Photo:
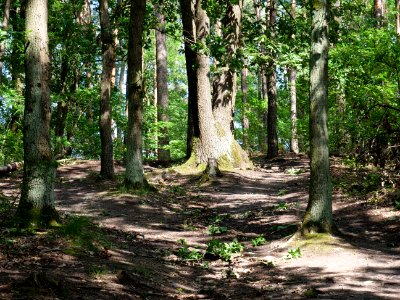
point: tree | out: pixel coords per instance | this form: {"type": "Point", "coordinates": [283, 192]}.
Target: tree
{"type": "Point", "coordinates": [36, 204]}
{"type": "Point", "coordinates": [397, 4]}
{"type": "Point", "coordinates": [189, 35]}
{"type": "Point", "coordinates": [162, 86]}
{"type": "Point", "coordinates": [4, 26]}
{"type": "Point", "coordinates": [272, 129]}
{"type": "Point", "coordinates": [108, 54]}
{"type": "Point", "coordinates": [134, 177]}
{"type": "Point", "coordinates": [216, 142]}
{"type": "Point", "coordinates": [294, 143]}
{"type": "Point", "coordinates": [318, 215]}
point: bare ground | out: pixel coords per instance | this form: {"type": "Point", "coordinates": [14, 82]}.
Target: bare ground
{"type": "Point", "coordinates": [143, 231]}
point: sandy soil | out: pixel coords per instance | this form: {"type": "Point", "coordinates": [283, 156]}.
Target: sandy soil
{"type": "Point", "coordinates": [144, 230]}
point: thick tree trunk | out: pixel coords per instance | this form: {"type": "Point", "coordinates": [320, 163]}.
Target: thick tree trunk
{"type": "Point", "coordinates": [272, 120]}
{"type": "Point", "coordinates": [36, 205]}
{"type": "Point", "coordinates": [4, 26]}
{"type": "Point", "coordinates": [189, 34]}
{"type": "Point", "coordinates": [162, 87]}
{"type": "Point", "coordinates": [216, 140]}
{"type": "Point", "coordinates": [108, 53]}
{"type": "Point", "coordinates": [318, 215]}
{"type": "Point", "coordinates": [134, 177]}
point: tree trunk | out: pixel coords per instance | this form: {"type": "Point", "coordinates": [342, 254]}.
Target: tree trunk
{"type": "Point", "coordinates": [378, 12]}
{"type": "Point", "coordinates": [189, 34]}
{"type": "Point", "coordinates": [245, 120]}
{"type": "Point", "coordinates": [294, 143]}
{"type": "Point", "coordinates": [216, 140]}
{"type": "Point", "coordinates": [272, 126]}
{"type": "Point", "coordinates": [318, 215]}
{"type": "Point", "coordinates": [108, 54]}
{"type": "Point", "coordinates": [398, 17]}
{"type": "Point", "coordinates": [4, 26]}
{"type": "Point", "coordinates": [162, 87]}
{"type": "Point", "coordinates": [134, 177]}
{"type": "Point", "coordinates": [36, 205]}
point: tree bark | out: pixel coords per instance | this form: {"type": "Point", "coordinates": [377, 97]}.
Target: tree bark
{"type": "Point", "coordinates": [397, 17]}
{"type": "Point", "coordinates": [108, 62]}
{"type": "Point", "coordinates": [245, 120]}
{"type": "Point", "coordinates": [318, 215]}
{"type": "Point", "coordinates": [189, 34]}
{"type": "Point", "coordinates": [294, 143]}
{"type": "Point", "coordinates": [4, 26]}
{"type": "Point", "coordinates": [216, 140]}
{"type": "Point", "coordinates": [36, 205]}
{"type": "Point", "coordinates": [378, 12]}
{"type": "Point", "coordinates": [272, 126]}
{"type": "Point", "coordinates": [162, 87]}
{"type": "Point", "coordinates": [134, 177]}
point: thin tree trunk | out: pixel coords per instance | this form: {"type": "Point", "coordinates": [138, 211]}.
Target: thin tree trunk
{"type": "Point", "coordinates": [189, 34]}
{"type": "Point", "coordinates": [108, 53]}
{"type": "Point", "coordinates": [36, 205]}
{"type": "Point", "coordinates": [272, 126]}
{"type": "Point", "coordinates": [318, 215]}
{"type": "Point", "coordinates": [245, 120]}
{"type": "Point", "coordinates": [134, 177]}
{"type": "Point", "coordinates": [4, 26]}
{"type": "Point", "coordinates": [294, 143]}
{"type": "Point", "coordinates": [162, 87]}
{"type": "Point", "coordinates": [155, 100]}
{"type": "Point", "coordinates": [378, 12]}
{"type": "Point", "coordinates": [398, 17]}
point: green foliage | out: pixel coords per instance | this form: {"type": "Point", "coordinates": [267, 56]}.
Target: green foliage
{"type": "Point", "coordinates": [187, 254]}
{"type": "Point", "coordinates": [225, 251]}
{"type": "Point", "coordinates": [216, 230]}
{"type": "Point", "coordinates": [293, 253]}
{"type": "Point", "coordinates": [258, 241]}
{"type": "Point", "coordinates": [293, 171]}
{"type": "Point", "coordinates": [282, 206]}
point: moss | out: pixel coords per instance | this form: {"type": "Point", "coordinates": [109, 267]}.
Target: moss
{"type": "Point", "coordinates": [224, 163]}
{"type": "Point", "coordinates": [31, 217]}
{"type": "Point", "coordinates": [315, 241]}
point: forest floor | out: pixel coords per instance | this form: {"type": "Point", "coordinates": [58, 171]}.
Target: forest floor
{"type": "Point", "coordinates": [185, 240]}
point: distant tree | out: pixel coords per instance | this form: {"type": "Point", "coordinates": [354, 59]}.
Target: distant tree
{"type": "Point", "coordinates": [162, 85]}
{"type": "Point", "coordinates": [318, 215]}
{"type": "Point", "coordinates": [108, 58]}
{"type": "Point", "coordinates": [4, 25]}
{"type": "Point", "coordinates": [134, 177]}
{"type": "Point", "coordinates": [397, 4]}
{"type": "Point", "coordinates": [36, 204]}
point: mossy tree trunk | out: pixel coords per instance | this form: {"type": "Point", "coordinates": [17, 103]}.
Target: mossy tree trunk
{"type": "Point", "coordinates": [216, 140]}
{"type": "Point", "coordinates": [36, 206]}
{"type": "Point", "coordinates": [108, 63]}
{"type": "Point", "coordinates": [318, 215]}
{"type": "Point", "coordinates": [163, 151]}
{"type": "Point", "coordinates": [134, 177]}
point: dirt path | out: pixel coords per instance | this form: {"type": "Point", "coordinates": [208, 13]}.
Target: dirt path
{"type": "Point", "coordinates": [142, 260]}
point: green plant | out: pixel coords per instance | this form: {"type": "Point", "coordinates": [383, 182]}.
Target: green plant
{"type": "Point", "coordinates": [225, 251]}
{"type": "Point", "coordinates": [293, 253]}
{"type": "Point", "coordinates": [397, 204]}
{"type": "Point", "coordinates": [258, 241]}
{"type": "Point", "coordinates": [283, 192]}
{"type": "Point", "coordinates": [293, 171]}
{"type": "Point", "coordinates": [185, 253]}
{"type": "Point", "coordinates": [214, 230]}
{"type": "Point", "coordinates": [96, 271]}
{"type": "Point", "coordinates": [282, 206]}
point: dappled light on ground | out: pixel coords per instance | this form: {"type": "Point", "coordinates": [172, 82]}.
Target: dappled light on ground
{"type": "Point", "coordinates": [144, 245]}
